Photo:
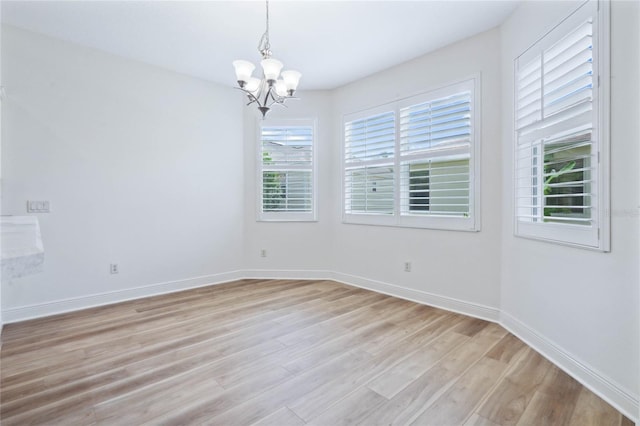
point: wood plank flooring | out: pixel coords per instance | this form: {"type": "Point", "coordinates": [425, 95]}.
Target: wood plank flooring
{"type": "Point", "coordinates": [281, 352]}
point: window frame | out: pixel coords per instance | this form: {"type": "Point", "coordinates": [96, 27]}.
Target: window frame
{"type": "Point", "coordinates": [285, 216]}
{"type": "Point", "coordinates": [597, 236]}
{"type": "Point", "coordinates": [398, 219]}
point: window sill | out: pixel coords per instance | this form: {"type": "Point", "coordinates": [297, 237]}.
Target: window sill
{"type": "Point", "coordinates": [583, 237]}
{"type": "Point", "coordinates": [432, 223]}
{"type": "Point", "coordinates": [286, 217]}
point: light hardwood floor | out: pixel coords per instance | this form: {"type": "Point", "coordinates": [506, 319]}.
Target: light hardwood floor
{"type": "Point", "coordinates": [276, 352]}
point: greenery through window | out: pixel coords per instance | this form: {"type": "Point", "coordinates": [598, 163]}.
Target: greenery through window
{"type": "Point", "coordinates": [567, 183]}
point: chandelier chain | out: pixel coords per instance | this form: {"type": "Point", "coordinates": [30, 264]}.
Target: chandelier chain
{"type": "Point", "coordinates": [264, 47]}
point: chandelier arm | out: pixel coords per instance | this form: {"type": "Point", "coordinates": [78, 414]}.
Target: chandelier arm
{"type": "Point", "coordinates": [274, 98]}
{"type": "Point", "coordinates": [278, 103]}
{"type": "Point", "coordinates": [251, 96]}
{"type": "Point", "coordinates": [277, 98]}
{"type": "Point", "coordinates": [266, 96]}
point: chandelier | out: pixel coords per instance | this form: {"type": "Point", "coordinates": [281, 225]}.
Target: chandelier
{"type": "Point", "coordinates": [270, 89]}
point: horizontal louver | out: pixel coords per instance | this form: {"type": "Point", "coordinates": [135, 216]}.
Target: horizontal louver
{"type": "Point", "coordinates": [288, 191]}
{"type": "Point", "coordinates": [529, 94]}
{"type": "Point", "coordinates": [287, 169]}
{"type": "Point", "coordinates": [369, 190]}
{"type": "Point", "coordinates": [369, 151]}
{"type": "Point", "coordinates": [287, 147]}
{"type": "Point", "coordinates": [439, 188]}
{"type": "Point", "coordinates": [371, 138]}
{"type": "Point", "coordinates": [568, 72]}
{"type": "Point", "coordinates": [435, 147]}
{"type": "Point", "coordinates": [438, 124]}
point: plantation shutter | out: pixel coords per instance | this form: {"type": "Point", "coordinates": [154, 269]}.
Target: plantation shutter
{"type": "Point", "coordinates": [287, 169]}
{"type": "Point", "coordinates": [559, 190]}
{"type": "Point", "coordinates": [556, 159]}
{"type": "Point", "coordinates": [369, 164]}
{"type": "Point", "coordinates": [435, 148]}
{"type": "Point", "coordinates": [413, 162]}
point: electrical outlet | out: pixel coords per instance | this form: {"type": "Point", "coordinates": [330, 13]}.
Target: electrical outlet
{"type": "Point", "coordinates": [407, 266]}
{"type": "Point", "coordinates": [113, 268]}
{"type": "Point", "coordinates": [263, 253]}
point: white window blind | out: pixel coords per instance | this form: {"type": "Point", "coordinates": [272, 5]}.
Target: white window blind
{"type": "Point", "coordinates": [435, 148]}
{"type": "Point", "coordinates": [558, 181]}
{"type": "Point", "coordinates": [286, 172]}
{"type": "Point", "coordinates": [369, 164]}
{"type": "Point", "coordinates": [412, 162]}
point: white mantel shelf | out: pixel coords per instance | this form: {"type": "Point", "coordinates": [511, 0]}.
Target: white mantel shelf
{"type": "Point", "coordinates": [22, 249]}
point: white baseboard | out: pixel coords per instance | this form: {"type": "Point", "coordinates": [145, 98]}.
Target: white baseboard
{"type": "Point", "coordinates": [449, 303]}
{"type": "Point", "coordinates": [23, 313]}
{"type": "Point", "coordinates": [588, 376]}
{"type": "Point", "coordinates": [287, 274]}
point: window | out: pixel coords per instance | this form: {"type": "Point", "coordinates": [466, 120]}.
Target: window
{"type": "Point", "coordinates": [435, 149]}
{"type": "Point", "coordinates": [412, 162]}
{"type": "Point", "coordinates": [369, 164]}
{"type": "Point", "coordinates": [560, 134]}
{"type": "Point", "coordinates": [287, 173]}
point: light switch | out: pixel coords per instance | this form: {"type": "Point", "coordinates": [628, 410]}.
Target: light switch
{"type": "Point", "coordinates": [38, 206]}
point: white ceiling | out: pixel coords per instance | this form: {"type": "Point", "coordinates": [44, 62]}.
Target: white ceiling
{"type": "Point", "coordinates": [331, 42]}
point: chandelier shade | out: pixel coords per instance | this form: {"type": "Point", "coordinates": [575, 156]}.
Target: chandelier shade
{"type": "Point", "coordinates": [270, 89]}
{"type": "Point", "coordinates": [291, 79]}
{"type": "Point", "coordinates": [271, 68]}
{"type": "Point", "coordinates": [244, 69]}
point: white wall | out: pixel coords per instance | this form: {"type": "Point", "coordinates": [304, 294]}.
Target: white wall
{"type": "Point", "coordinates": [456, 265]}
{"type": "Point", "coordinates": [580, 306]}
{"type": "Point", "coordinates": [142, 167]}
{"type": "Point", "coordinates": [297, 247]}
